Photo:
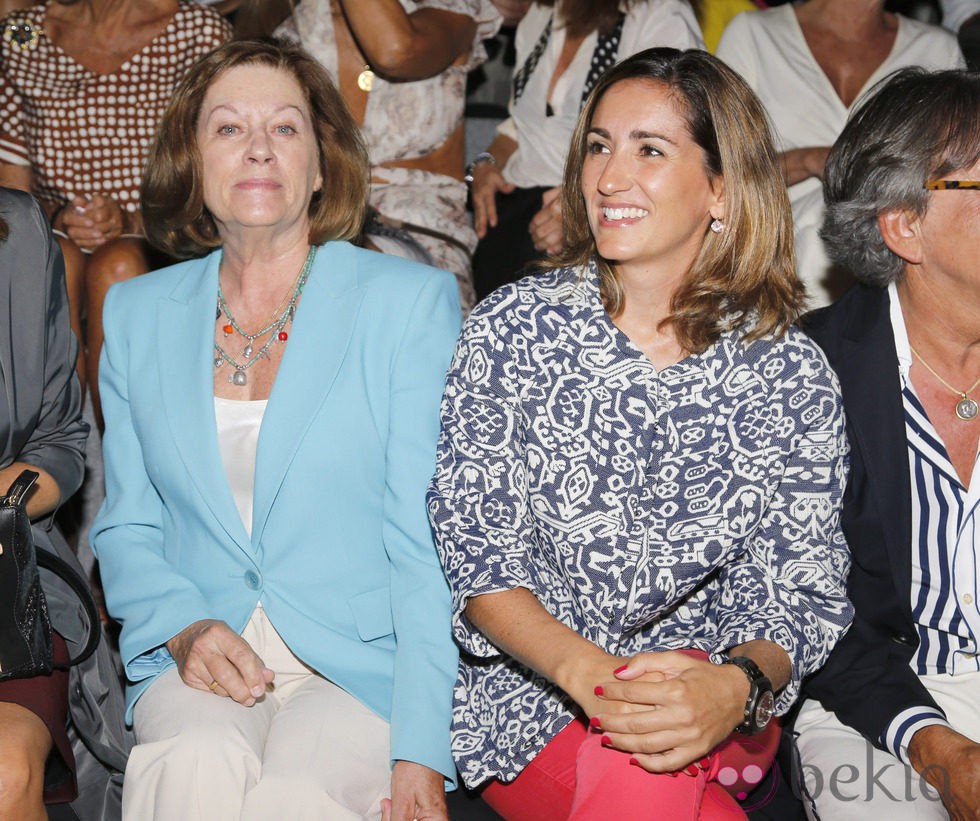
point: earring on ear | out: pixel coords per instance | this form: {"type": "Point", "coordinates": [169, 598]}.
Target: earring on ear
{"type": "Point", "coordinates": [717, 226]}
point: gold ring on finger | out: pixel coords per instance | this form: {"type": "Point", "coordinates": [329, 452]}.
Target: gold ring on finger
{"type": "Point", "coordinates": [213, 685]}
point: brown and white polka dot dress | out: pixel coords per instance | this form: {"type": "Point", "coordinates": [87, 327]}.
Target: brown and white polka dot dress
{"type": "Point", "coordinates": [85, 133]}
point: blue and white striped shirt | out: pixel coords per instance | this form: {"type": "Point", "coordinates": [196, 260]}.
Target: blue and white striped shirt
{"type": "Point", "coordinates": [944, 553]}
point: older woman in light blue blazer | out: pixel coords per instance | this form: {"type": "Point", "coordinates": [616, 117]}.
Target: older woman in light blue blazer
{"type": "Point", "coordinates": [271, 418]}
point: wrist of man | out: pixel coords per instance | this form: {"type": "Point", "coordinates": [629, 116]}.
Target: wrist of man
{"type": "Point", "coordinates": [932, 746]}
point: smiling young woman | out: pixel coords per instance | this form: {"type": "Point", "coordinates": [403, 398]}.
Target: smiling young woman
{"type": "Point", "coordinates": [625, 438]}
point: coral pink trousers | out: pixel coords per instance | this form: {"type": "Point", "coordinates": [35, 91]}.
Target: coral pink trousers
{"type": "Point", "coordinates": [575, 778]}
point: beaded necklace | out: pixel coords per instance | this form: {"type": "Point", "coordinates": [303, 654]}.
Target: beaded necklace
{"type": "Point", "coordinates": [275, 329]}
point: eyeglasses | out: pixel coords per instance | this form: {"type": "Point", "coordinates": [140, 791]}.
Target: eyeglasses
{"type": "Point", "coordinates": [951, 185]}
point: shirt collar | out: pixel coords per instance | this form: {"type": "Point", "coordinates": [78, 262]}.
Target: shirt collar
{"type": "Point", "coordinates": [902, 346]}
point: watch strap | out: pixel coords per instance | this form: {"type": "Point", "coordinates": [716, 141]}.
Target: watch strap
{"type": "Point", "coordinates": [760, 688]}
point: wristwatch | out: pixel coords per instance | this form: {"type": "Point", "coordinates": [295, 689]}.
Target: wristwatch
{"type": "Point", "coordinates": [479, 159]}
{"type": "Point", "coordinates": [760, 706]}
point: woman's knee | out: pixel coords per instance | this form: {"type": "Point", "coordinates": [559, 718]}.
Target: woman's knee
{"type": "Point", "coordinates": [23, 754]}
{"type": "Point", "coordinates": [116, 261]}
{"type": "Point", "coordinates": [192, 766]}
{"type": "Point", "coordinates": [299, 797]}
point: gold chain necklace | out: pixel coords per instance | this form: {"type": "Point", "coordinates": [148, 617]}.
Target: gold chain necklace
{"type": "Point", "coordinates": [966, 408]}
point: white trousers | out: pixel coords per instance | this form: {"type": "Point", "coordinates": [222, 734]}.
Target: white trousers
{"type": "Point", "coordinates": [306, 750]}
{"type": "Point", "coordinates": [849, 779]}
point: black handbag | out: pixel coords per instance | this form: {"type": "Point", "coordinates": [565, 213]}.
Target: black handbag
{"type": "Point", "coordinates": [26, 648]}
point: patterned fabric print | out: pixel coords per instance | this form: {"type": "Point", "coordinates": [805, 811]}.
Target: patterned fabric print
{"type": "Point", "coordinates": [695, 507]}
{"type": "Point", "coordinates": [445, 211]}
{"type": "Point", "coordinates": [522, 75]}
{"type": "Point", "coordinates": [603, 58]}
{"type": "Point", "coordinates": [84, 133]}
{"type": "Point", "coordinates": [410, 120]}
{"type": "Point", "coordinates": [403, 120]}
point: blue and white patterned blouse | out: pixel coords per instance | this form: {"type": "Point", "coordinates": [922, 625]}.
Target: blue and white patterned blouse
{"type": "Point", "coordinates": [697, 506]}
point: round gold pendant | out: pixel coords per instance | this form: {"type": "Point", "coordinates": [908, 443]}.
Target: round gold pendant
{"type": "Point", "coordinates": [365, 80]}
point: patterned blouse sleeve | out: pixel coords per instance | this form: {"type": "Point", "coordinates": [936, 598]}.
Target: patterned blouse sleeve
{"type": "Point", "coordinates": [478, 500]}
{"type": "Point", "coordinates": [790, 584]}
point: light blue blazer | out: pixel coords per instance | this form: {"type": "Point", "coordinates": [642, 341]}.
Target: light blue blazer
{"type": "Point", "coordinates": [341, 554]}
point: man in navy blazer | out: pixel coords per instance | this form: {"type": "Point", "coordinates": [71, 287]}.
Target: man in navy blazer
{"type": "Point", "coordinates": [895, 733]}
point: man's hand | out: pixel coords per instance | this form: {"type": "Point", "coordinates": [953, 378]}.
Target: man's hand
{"type": "Point", "coordinates": [950, 762]}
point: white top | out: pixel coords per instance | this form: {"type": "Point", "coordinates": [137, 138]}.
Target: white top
{"type": "Point", "coordinates": [238, 438]}
{"type": "Point", "coordinates": [957, 12]}
{"type": "Point", "coordinates": [769, 50]}
{"type": "Point", "coordinates": [543, 141]}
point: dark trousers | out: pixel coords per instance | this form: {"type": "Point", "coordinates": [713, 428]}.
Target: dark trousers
{"type": "Point", "coordinates": [505, 253]}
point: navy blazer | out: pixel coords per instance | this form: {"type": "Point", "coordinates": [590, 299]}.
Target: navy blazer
{"type": "Point", "coordinates": [867, 680]}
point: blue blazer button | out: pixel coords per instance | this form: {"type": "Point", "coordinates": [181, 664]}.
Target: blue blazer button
{"type": "Point", "coordinates": [252, 580]}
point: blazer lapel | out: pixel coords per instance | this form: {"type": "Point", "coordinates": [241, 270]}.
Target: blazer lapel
{"type": "Point", "coordinates": [318, 343]}
{"type": "Point", "coordinates": [186, 365]}
{"type": "Point", "coordinates": [870, 383]}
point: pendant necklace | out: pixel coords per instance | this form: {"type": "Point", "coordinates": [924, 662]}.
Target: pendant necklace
{"type": "Point", "coordinates": [966, 408]}
{"type": "Point", "coordinates": [275, 329]}
{"type": "Point", "coordinates": [365, 80]}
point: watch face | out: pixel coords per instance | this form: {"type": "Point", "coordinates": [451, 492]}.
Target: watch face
{"type": "Point", "coordinates": [765, 708]}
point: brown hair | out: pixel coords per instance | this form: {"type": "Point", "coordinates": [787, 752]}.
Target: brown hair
{"type": "Point", "coordinates": [174, 214]}
{"type": "Point", "coordinates": [745, 276]}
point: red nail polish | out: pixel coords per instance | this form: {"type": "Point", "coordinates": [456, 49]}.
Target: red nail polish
{"type": "Point", "coordinates": [619, 670]}
{"type": "Point", "coordinates": [634, 762]}
{"type": "Point", "coordinates": [598, 690]}
{"type": "Point", "coordinates": [691, 770]}
{"type": "Point", "coordinates": [672, 775]}
{"type": "Point", "coordinates": [606, 741]}
{"type": "Point", "coordinates": [705, 763]}
{"type": "Point", "coordinates": [594, 722]}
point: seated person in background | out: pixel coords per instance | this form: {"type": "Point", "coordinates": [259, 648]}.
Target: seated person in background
{"type": "Point", "coordinates": [906, 346]}
{"type": "Point", "coordinates": [963, 18]}
{"type": "Point", "coordinates": [811, 63]}
{"type": "Point", "coordinates": [563, 46]}
{"type": "Point", "coordinates": [264, 520]}
{"type": "Point", "coordinates": [41, 429]}
{"type": "Point", "coordinates": [641, 467]}
{"type": "Point", "coordinates": [82, 88]}
{"type": "Point", "coordinates": [401, 66]}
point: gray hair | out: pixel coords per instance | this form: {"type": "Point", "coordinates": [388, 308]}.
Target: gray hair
{"type": "Point", "coordinates": [916, 125]}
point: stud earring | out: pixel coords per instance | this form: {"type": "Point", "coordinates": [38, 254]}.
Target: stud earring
{"type": "Point", "coordinates": [717, 226]}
